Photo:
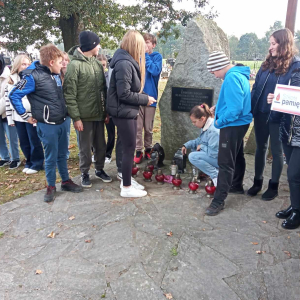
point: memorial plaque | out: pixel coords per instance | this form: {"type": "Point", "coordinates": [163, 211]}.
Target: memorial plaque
{"type": "Point", "coordinates": [184, 99]}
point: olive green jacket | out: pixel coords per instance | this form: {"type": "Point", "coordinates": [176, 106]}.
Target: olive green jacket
{"type": "Point", "coordinates": [85, 87]}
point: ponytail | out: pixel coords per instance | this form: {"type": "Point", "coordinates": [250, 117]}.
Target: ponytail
{"type": "Point", "coordinates": [200, 111]}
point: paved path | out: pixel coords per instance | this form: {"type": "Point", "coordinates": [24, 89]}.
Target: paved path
{"type": "Point", "coordinates": [118, 248]}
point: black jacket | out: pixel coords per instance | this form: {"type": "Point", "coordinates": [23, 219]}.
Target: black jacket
{"type": "Point", "coordinates": [261, 80]}
{"type": "Point", "coordinates": [290, 124]}
{"type": "Point", "coordinates": [124, 99]}
{"type": "Point", "coordinates": [44, 92]}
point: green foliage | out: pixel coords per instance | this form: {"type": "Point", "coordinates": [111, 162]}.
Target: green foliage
{"type": "Point", "coordinates": [1, 235]}
{"type": "Point", "coordinates": [174, 251]}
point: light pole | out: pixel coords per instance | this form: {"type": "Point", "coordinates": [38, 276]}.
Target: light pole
{"type": "Point", "coordinates": [291, 15]}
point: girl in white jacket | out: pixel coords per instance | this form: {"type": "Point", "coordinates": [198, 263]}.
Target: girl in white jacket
{"type": "Point", "coordinates": [29, 141]}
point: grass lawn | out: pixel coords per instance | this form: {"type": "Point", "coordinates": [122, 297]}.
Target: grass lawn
{"type": "Point", "coordinates": [253, 65]}
{"type": "Point", "coordinates": [14, 183]}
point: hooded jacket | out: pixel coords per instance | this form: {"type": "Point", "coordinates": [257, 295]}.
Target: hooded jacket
{"type": "Point", "coordinates": [261, 80]}
{"type": "Point", "coordinates": [124, 99]}
{"type": "Point", "coordinates": [4, 77]}
{"type": "Point", "coordinates": [234, 103]}
{"type": "Point", "coordinates": [85, 87]}
{"type": "Point", "coordinates": [44, 92]}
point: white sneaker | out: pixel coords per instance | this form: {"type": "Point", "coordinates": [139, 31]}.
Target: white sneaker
{"type": "Point", "coordinates": [132, 192]}
{"type": "Point", "coordinates": [107, 160]}
{"type": "Point", "coordinates": [31, 171]}
{"type": "Point", "coordinates": [135, 184]}
{"type": "Point", "coordinates": [25, 170]}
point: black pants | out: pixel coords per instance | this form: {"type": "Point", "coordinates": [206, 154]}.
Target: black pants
{"type": "Point", "coordinates": [231, 160]}
{"type": "Point", "coordinates": [110, 127]}
{"type": "Point", "coordinates": [263, 132]}
{"type": "Point", "coordinates": [292, 155]}
{"type": "Point", "coordinates": [126, 142]}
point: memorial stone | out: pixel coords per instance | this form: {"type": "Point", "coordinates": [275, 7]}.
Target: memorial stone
{"type": "Point", "coordinates": [190, 83]}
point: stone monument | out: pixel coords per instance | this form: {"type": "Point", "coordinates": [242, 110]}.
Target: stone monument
{"type": "Point", "coordinates": [190, 83]}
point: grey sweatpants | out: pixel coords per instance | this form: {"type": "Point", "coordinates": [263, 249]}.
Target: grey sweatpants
{"type": "Point", "coordinates": [92, 136]}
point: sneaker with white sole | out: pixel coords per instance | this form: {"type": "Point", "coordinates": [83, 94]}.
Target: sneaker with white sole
{"type": "Point", "coordinates": [4, 163]}
{"type": "Point", "coordinates": [31, 171]}
{"type": "Point", "coordinates": [119, 176]}
{"type": "Point", "coordinates": [132, 192]}
{"type": "Point", "coordinates": [14, 164]}
{"type": "Point", "coordinates": [107, 160]}
{"type": "Point", "coordinates": [25, 170]}
{"type": "Point", "coordinates": [135, 184]}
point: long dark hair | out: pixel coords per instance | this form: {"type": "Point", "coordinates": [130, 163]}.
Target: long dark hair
{"type": "Point", "coordinates": [2, 64]}
{"type": "Point", "coordinates": [285, 52]}
{"type": "Point", "coordinates": [200, 111]}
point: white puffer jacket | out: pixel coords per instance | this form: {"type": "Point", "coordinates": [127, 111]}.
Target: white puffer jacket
{"type": "Point", "coordinates": [3, 83]}
{"type": "Point", "coordinates": [11, 114]}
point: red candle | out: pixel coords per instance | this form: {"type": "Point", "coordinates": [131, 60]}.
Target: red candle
{"type": "Point", "coordinates": [193, 186]}
{"type": "Point", "coordinates": [147, 175]}
{"type": "Point", "coordinates": [210, 188]}
{"type": "Point", "coordinates": [135, 169]}
{"type": "Point", "coordinates": [160, 177]}
{"type": "Point", "coordinates": [177, 182]}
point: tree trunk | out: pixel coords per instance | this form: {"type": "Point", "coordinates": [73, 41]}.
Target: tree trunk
{"type": "Point", "coordinates": [70, 31]}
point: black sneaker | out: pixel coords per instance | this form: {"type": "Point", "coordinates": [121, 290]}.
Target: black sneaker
{"type": "Point", "coordinates": [70, 186]}
{"type": "Point", "coordinates": [103, 176]}
{"type": "Point", "coordinates": [4, 163]}
{"type": "Point", "coordinates": [236, 190]}
{"type": "Point", "coordinates": [14, 164]}
{"type": "Point", "coordinates": [50, 194]}
{"type": "Point", "coordinates": [214, 209]}
{"type": "Point", "coordinates": [85, 180]}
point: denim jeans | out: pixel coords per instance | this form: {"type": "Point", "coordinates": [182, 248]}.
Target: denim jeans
{"type": "Point", "coordinates": [55, 142]}
{"type": "Point", "coordinates": [31, 145]}
{"type": "Point", "coordinates": [12, 135]}
{"type": "Point", "coordinates": [205, 163]}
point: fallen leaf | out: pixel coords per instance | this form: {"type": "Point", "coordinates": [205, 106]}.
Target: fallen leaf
{"type": "Point", "coordinates": [265, 222]}
{"type": "Point", "coordinates": [254, 243]}
{"type": "Point", "coordinates": [260, 252]}
{"type": "Point", "coordinates": [88, 241]}
{"type": "Point", "coordinates": [60, 224]}
{"type": "Point", "coordinates": [287, 253]}
{"type": "Point", "coordinates": [72, 218]}
{"type": "Point", "coordinates": [38, 272]}
{"type": "Point", "coordinates": [6, 172]}
{"type": "Point", "coordinates": [170, 233]}
{"type": "Point", "coordinates": [101, 190]}
{"type": "Point", "coordinates": [32, 181]}
{"type": "Point", "coordinates": [51, 235]}
{"type": "Point", "coordinates": [71, 146]}
{"type": "Point", "coordinates": [94, 226]}
{"type": "Point", "coordinates": [289, 237]}
{"type": "Point", "coordinates": [203, 229]}
{"type": "Point", "coordinates": [76, 169]}
{"type": "Point", "coordinates": [169, 296]}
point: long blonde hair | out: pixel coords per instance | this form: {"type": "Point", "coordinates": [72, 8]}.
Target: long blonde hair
{"type": "Point", "coordinates": [134, 43]}
{"type": "Point", "coordinates": [17, 64]}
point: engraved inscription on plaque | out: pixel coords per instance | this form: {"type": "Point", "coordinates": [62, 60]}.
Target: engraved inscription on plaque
{"type": "Point", "coordinates": [184, 99]}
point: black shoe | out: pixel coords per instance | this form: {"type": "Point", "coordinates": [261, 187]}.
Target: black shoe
{"type": "Point", "coordinates": [4, 163]}
{"type": "Point", "coordinates": [214, 209]}
{"type": "Point", "coordinates": [236, 190]}
{"type": "Point", "coordinates": [284, 214]}
{"type": "Point", "coordinates": [256, 187]}
{"type": "Point", "coordinates": [103, 176]}
{"type": "Point", "coordinates": [293, 221]}
{"type": "Point", "coordinates": [50, 194]}
{"type": "Point", "coordinates": [272, 191]}
{"type": "Point", "coordinates": [85, 180]}
{"type": "Point", "coordinates": [14, 164]}
{"type": "Point", "coordinates": [70, 186]}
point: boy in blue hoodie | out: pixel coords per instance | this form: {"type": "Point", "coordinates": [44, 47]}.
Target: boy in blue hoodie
{"type": "Point", "coordinates": [146, 113]}
{"type": "Point", "coordinates": [232, 117]}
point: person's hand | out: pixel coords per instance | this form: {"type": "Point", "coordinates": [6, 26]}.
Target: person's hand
{"type": "Point", "coordinates": [183, 150]}
{"type": "Point", "coordinates": [151, 100]}
{"type": "Point", "coordinates": [198, 147]}
{"type": "Point", "coordinates": [12, 125]}
{"type": "Point", "coordinates": [270, 98]}
{"type": "Point", "coordinates": [31, 120]}
{"type": "Point", "coordinates": [213, 109]}
{"type": "Point", "coordinates": [106, 121]}
{"type": "Point", "coordinates": [78, 125]}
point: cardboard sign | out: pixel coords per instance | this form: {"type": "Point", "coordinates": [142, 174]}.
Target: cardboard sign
{"type": "Point", "coordinates": [286, 99]}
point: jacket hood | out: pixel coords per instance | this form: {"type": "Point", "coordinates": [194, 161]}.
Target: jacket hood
{"type": "Point", "coordinates": [154, 54]}
{"type": "Point", "coordinates": [121, 54]}
{"type": "Point", "coordinates": [240, 69]}
{"type": "Point", "coordinates": [76, 54]}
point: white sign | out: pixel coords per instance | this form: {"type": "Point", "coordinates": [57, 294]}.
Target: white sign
{"type": "Point", "coordinates": [286, 99]}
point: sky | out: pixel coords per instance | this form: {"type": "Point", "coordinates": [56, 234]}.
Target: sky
{"type": "Point", "coordinates": [237, 17]}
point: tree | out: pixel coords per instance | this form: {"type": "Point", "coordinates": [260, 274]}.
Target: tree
{"type": "Point", "coordinates": [297, 39]}
{"type": "Point", "coordinates": [233, 45]}
{"type": "Point", "coordinates": [247, 47]}
{"type": "Point", "coordinates": [28, 22]}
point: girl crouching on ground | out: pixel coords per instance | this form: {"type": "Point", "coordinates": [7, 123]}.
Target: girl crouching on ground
{"type": "Point", "coordinates": [204, 153]}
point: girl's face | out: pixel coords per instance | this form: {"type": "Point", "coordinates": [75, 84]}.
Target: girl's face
{"type": "Point", "coordinates": [198, 122]}
{"type": "Point", "coordinates": [104, 64]}
{"type": "Point", "coordinates": [24, 65]}
{"type": "Point", "coordinates": [273, 49]}
{"type": "Point", "coordinates": [65, 61]}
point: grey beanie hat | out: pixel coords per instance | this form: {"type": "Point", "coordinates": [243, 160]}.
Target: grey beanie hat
{"type": "Point", "coordinates": [217, 60]}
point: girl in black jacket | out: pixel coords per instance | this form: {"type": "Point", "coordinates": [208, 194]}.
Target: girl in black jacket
{"type": "Point", "coordinates": [290, 137]}
{"type": "Point", "coordinates": [124, 99]}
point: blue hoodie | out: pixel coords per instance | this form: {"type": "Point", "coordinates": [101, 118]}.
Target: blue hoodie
{"type": "Point", "coordinates": [153, 70]}
{"type": "Point", "coordinates": [234, 103]}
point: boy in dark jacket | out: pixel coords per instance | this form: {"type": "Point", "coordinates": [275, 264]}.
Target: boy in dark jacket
{"type": "Point", "coordinates": [146, 113]}
{"type": "Point", "coordinates": [42, 84]}
{"type": "Point", "coordinates": [85, 92]}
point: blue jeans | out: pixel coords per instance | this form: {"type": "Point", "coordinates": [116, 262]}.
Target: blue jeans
{"type": "Point", "coordinates": [12, 135]}
{"type": "Point", "coordinates": [55, 142]}
{"type": "Point", "coordinates": [205, 163]}
{"type": "Point", "coordinates": [31, 145]}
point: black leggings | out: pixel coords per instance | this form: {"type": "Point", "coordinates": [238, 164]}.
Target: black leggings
{"type": "Point", "coordinates": [263, 131]}
{"type": "Point", "coordinates": [127, 130]}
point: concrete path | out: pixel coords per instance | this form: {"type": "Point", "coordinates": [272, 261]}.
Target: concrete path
{"type": "Point", "coordinates": [107, 247]}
